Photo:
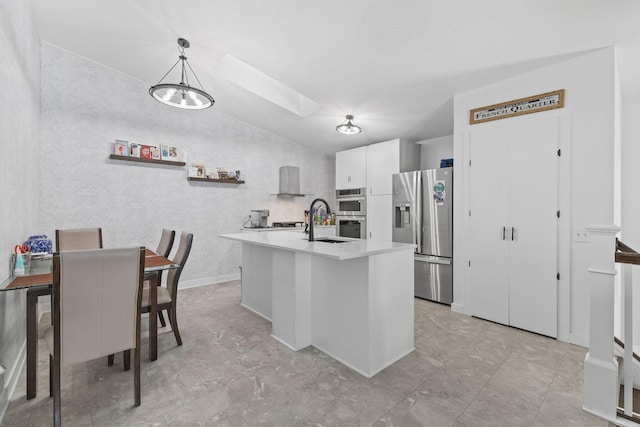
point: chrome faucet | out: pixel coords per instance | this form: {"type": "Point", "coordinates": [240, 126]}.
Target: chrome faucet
{"type": "Point", "coordinates": [311, 216]}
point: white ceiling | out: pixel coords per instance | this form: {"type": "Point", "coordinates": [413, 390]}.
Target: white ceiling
{"type": "Point", "coordinates": [394, 65]}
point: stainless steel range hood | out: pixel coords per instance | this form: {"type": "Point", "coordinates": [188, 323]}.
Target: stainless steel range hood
{"type": "Point", "coordinates": [289, 182]}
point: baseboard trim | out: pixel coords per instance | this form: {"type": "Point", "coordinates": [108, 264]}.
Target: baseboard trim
{"type": "Point", "coordinates": [457, 308]}
{"type": "Point", "coordinates": [194, 283]}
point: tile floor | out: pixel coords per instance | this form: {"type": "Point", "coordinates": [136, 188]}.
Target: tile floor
{"type": "Point", "coordinates": [230, 372]}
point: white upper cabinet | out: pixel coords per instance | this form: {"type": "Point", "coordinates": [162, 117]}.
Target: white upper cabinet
{"type": "Point", "coordinates": [351, 168]}
{"type": "Point", "coordinates": [387, 158]}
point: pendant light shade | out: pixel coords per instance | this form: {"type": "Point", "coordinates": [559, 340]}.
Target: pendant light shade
{"type": "Point", "coordinates": [348, 127]}
{"type": "Point", "coordinates": [182, 95]}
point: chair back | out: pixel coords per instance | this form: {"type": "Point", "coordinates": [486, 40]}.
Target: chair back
{"type": "Point", "coordinates": [79, 238]}
{"type": "Point", "coordinates": [173, 276]}
{"type": "Point", "coordinates": [96, 302]}
{"type": "Point", "coordinates": [166, 242]}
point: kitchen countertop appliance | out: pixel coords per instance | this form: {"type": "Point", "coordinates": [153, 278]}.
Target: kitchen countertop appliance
{"type": "Point", "coordinates": [423, 215]}
{"type": "Point", "coordinates": [259, 218]}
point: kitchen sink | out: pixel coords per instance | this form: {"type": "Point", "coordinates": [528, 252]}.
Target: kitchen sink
{"type": "Point", "coordinates": [329, 240]}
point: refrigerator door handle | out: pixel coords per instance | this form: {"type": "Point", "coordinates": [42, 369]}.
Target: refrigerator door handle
{"type": "Point", "coordinates": [504, 233]}
{"type": "Point", "coordinates": [433, 260]}
{"type": "Point", "coordinates": [418, 211]}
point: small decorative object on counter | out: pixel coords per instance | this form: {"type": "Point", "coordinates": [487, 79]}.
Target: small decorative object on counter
{"type": "Point", "coordinates": [20, 260]}
{"type": "Point", "coordinates": [38, 244]}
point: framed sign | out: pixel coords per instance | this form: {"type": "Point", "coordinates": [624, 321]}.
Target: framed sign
{"type": "Point", "coordinates": [517, 107]}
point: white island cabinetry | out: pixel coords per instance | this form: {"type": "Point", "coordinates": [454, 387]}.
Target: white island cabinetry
{"type": "Point", "coordinates": [353, 300]}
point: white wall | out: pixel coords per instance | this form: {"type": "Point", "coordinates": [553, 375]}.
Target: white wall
{"type": "Point", "coordinates": [630, 151]}
{"type": "Point", "coordinates": [86, 106]}
{"type": "Point", "coordinates": [586, 194]}
{"type": "Point", "coordinates": [630, 215]}
{"type": "Point", "coordinates": [435, 149]}
{"type": "Point", "coordinates": [19, 127]}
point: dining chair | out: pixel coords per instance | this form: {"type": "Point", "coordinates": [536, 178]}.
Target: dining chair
{"type": "Point", "coordinates": [164, 249]}
{"type": "Point", "coordinates": [167, 296]}
{"type": "Point", "coordinates": [78, 238]}
{"type": "Point", "coordinates": [96, 299]}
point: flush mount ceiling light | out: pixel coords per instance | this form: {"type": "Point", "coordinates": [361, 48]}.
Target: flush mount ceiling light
{"type": "Point", "coordinates": [182, 95]}
{"type": "Point", "coordinates": [348, 127]}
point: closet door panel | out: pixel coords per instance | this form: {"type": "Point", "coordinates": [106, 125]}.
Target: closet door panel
{"type": "Point", "coordinates": [488, 202]}
{"type": "Point", "coordinates": [533, 204]}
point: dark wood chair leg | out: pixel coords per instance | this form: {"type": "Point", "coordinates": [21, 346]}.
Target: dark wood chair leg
{"type": "Point", "coordinates": [161, 317]}
{"type": "Point", "coordinates": [32, 338]}
{"type": "Point", "coordinates": [55, 379]}
{"type": "Point", "coordinates": [126, 357]}
{"type": "Point", "coordinates": [174, 325]}
{"type": "Point", "coordinates": [136, 374]}
{"type": "Point", "coordinates": [110, 359]}
{"type": "Point", "coordinates": [50, 375]}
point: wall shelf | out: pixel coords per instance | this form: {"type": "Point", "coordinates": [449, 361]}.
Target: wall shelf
{"type": "Point", "coordinates": [224, 181]}
{"type": "Point", "coordinates": [141, 160]}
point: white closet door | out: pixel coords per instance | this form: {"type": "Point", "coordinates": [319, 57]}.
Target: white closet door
{"type": "Point", "coordinates": [488, 203]}
{"type": "Point", "coordinates": [533, 194]}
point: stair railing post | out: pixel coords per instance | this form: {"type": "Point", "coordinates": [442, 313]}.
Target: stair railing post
{"type": "Point", "coordinates": [600, 367]}
{"type": "Point", "coordinates": [627, 365]}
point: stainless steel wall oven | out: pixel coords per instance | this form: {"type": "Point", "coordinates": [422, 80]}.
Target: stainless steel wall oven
{"type": "Point", "coordinates": [351, 209]}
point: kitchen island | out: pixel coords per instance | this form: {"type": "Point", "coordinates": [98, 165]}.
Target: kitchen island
{"type": "Point", "coordinates": [351, 300]}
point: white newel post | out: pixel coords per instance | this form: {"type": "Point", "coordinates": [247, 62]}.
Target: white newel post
{"type": "Point", "coordinates": [600, 367]}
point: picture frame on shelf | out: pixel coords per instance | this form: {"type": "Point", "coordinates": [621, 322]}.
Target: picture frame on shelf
{"type": "Point", "coordinates": [169, 152]}
{"type": "Point", "coordinates": [134, 149]}
{"type": "Point", "coordinates": [200, 170]}
{"type": "Point", "coordinates": [145, 152]}
{"type": "Point", "coordinates": [155, 152]}
{"type": "Point", "coordinates": [121, 147]}
{"type": "Point", "coordinates": [222, 173]}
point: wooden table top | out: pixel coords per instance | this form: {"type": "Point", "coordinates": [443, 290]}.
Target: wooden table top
{"type": "Point", "coordinates": [152, 262]}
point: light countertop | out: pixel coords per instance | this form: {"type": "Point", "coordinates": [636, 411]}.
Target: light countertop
{"type": "Point", "coordinates": [296, 229]}
{"type": "Point", "coordinates": [294, 241]}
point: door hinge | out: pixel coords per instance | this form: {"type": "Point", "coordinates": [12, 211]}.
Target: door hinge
{"type": "Point", "coordinates": [559, 152]}
{"type": "Point", "coordinates": [469, 263]}
{"type": "Point", "coordinates": [558, 276]}
{"type": "Point", "coordinates": [558, 214]}
{"type": "Point", "coordinates": [469, 212]}
{"type": "Point", "coordinates": [469, 162]}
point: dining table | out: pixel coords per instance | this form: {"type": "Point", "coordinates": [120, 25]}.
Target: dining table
{"type": "Point", "coordinates": [38, 281]}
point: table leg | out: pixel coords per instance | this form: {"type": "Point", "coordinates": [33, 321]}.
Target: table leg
{"type": "Point", "coordinates": [153, 318]}
{"type": "Point", "coordinates": [32, 339]}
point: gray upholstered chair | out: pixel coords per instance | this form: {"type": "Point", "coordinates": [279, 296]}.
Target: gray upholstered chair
{"type": "Point", "coordinates": [164, 249]}
{"type": "Point", "coordinates": [166, 242]}
{"type": "Point", "coordinates": [79, 238]}
{"type": "Point", "coordinates": [167, 297]}
{"type": "Point", "coordinates": [96, 299]}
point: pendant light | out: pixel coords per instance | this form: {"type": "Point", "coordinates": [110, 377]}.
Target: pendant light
{"type": "Point", "coordinates": [182, 95]}
{"type": "Point", "coordinates": [348, 127]}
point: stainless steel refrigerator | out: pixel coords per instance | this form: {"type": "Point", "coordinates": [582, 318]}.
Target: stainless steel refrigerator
{"type": "Point", "coordinates": [423, 214]}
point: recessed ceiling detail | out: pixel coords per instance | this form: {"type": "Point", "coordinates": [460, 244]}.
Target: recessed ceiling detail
{"type": "Point", "coordinates": [258, 83]}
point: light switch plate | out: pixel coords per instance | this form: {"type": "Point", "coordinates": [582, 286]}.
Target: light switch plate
{"type": "Point", "coordinates": [581, 235]}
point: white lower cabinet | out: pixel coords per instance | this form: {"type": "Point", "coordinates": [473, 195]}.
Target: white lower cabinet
{"type": "Point", "coordinates": [513, 224]}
